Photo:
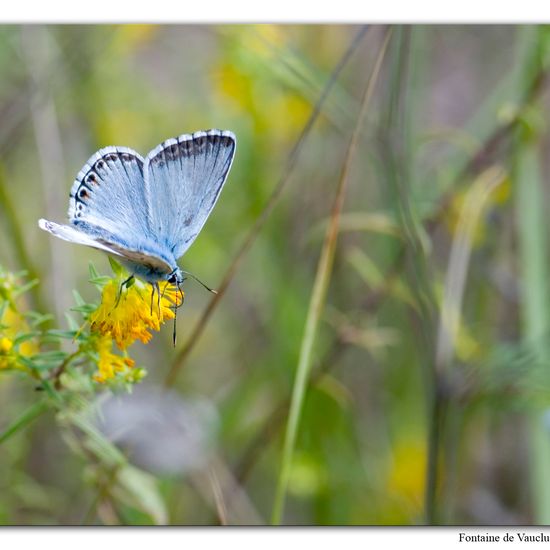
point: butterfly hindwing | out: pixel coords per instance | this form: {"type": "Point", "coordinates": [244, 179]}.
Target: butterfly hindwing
{"type": "Point", "coordinates": [73, 235]}
{"type": "Point", "coordinates": [183, 179]}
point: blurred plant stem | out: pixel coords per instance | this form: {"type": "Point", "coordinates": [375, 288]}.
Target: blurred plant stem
{"type": "Point", "coordinates": [249, 240]}
{"type": "Point", "coordinates": [275, 419]}
{"type": "Point", "coordinates": [318, 295]}
{"type": "Point", "coordinates": [534, 282]}
{"type": "Point", "coordinates": [39, 52]}
{"type": "Point", "coordinates": [33, 412]}
{"type": "Point", "coordinates": [221, 490]}
{"type": "Point", "coordinates": [399, 170]}
{"type": "Point", "coordinates": [448, 331]}
{"type": "Point", "coordinates": [535, 277]}
{"type": "Point", "coordinates": [14, 230]}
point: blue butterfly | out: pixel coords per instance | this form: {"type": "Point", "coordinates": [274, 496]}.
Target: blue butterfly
{"type": "Point", "coordinates": [147, 212]}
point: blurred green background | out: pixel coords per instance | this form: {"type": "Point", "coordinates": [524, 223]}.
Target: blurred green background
{"type": "Point", "coordinates": [428, 393]}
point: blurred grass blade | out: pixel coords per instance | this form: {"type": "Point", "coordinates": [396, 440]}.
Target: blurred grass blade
{"type": "Point", "coordinates": [459, 260]}
{"type": "Point", "coordinates": [320, 285]}
{"type": "Point", "coordinates": [12, 226]}
{"type": "Point", "coordinates": [33, 412]}
{"type": "Point", "coordinates": [260, 221]}
{"type": "Point", "coordinates": [448, 342]}
{"type": "Point", "coordinates": [535, 277]}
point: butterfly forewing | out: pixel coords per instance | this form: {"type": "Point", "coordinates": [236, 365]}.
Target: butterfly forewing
{"type": "Point", "coordinates": [183, 179]}
{"type": "Point", "coordinates": [108, 195]}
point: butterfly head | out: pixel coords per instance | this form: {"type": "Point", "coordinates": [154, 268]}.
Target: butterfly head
{"type": "Point", "coordinates": [176, 277]}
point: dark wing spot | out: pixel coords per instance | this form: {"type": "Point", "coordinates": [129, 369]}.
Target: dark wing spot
{"type": "Point", "coordinates": [226, 141]}
{"type": "Point", "coordinates": [83, 193]}
{"type": "Point", "coordinates": [199, 143]}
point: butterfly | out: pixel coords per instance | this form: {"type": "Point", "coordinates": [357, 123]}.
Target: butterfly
{"type": "Point", "coordinates": [147, 212]}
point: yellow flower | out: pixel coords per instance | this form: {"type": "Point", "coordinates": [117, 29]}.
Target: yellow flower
{"type": "Point", "coordinates": [109, 364]}
{"type": "Point", "coordinates": [5, 345]}
{"type": "Point", "coordinates": [130, 315]}
{"type": "Point", "coordinates": [6, 357]}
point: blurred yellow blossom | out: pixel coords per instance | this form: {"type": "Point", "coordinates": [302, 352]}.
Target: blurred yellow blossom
{"type": "Point", "coordinates": [110, 364]}
{"type": "Point", "coordinates": [407, 477]}
{"type": "Point", "coordinates": [129, 314]}
{"type": "Point", "coordinates": [6, 358]}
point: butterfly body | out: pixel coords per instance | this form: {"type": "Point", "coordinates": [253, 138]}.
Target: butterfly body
{"type": "Point", "coordinates": [147, 212]}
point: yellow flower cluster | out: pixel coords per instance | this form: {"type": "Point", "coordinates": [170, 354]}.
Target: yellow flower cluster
{"type": "Point", "coordinates": [12, 322]}
{"type": "Point", "coordinates": [126, 315]}
{"type": "Point", "coordinates": [109, 364]}
{"type": "Point", "coordinates": [132, 314]}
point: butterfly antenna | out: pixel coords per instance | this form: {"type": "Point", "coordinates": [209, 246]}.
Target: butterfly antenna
{"type": "Point", "coordinates": [199, 281]}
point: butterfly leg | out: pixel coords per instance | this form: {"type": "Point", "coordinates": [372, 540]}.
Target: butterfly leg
{"type": "Point", "coordinates": [176, 314]}
{"type": "Point", "coordinates": [153, 288]}
{"type": "Point", "coordinates": [122, 285]}
{"type": "Point", "coordinates": [158, 298]}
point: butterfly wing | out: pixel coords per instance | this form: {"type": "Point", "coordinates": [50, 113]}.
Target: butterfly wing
{"type": "Point", "coordinates": [108, 194]}
{"type": "Point", "coordinates": [73, 235]}
{"type": "Point", "coordinates": [108, 210]}
{"type": "Point", "coordinates": [183, 180]}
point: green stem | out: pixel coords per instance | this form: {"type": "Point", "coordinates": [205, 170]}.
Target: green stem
{"type": "Point", "coordinates": [536, 325]}
{"type": "Point", "coordinates": [533, 246]}
{"type": "Point", "coordinates": [34, 411]}
{"type": "Point", "coordinates": [316, 304]}
{"type": "Point", "coordinates": [13, 228]}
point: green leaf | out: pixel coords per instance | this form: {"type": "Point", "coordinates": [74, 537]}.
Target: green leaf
{"type": "Point", "coordinates": [26, 287]}
{"type": "Point", "coordinates": [24, 420]}
{"type": "Point", "coordinates": [93, 271]}
{"type": "Point", "coordinates": [24, 337]}
{"type": "Point", "coordinates": [118, 270]}
{"type": "Point", "coordinates": [73, 325]}
{"type": "Point", "coordinates": [78, 298]}
{"type": "Point", "coordinates": [84, 308]}
{"type": "Point", "coordinates": [139, 489]}
{"type": "Point", "coordinates": [100, 281]}
{"type": "Point", "coordinates": [37, 319]}
{"type": "Point", "coordinates": [57, 333]}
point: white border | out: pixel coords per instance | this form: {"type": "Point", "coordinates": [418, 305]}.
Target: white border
{"type": "Point", "coordinates": [320, 538]}
{"type": "Point", "coordinates": [281, 11]}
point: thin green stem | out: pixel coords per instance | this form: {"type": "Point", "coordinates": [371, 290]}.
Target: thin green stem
{"type": "Point", "coordinates": [536, 322]}
{"type": "Point", "coordinates": [33, 412]}
{"type": "Point", "coordinates": [316, 304]}
{"type": "Point", "coordinates": [13, 228]}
